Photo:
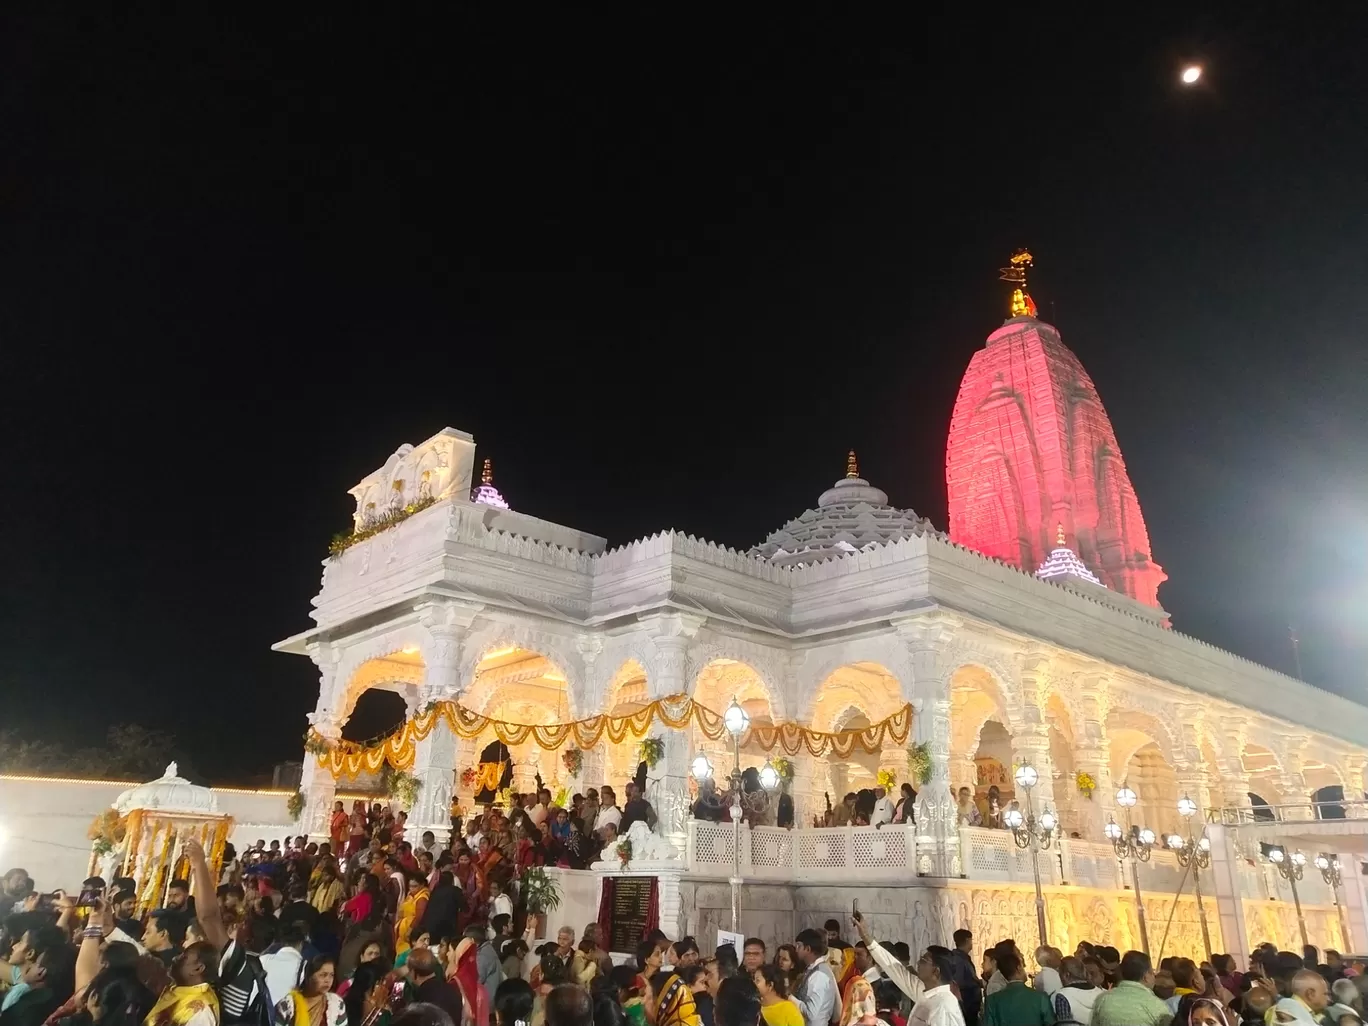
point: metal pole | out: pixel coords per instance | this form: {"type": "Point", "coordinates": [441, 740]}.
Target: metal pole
{"type": "Point", "coordinates": [735, 880]}
{"type": "Point", "coordinates": [1035, 869]}
{"type": "Point", "coordinates": [1140, 904]}
{"type": "Point", "coordinates": [1296, 900]}
{"type": "Point", "coordinates": [1339, 909]}
{"type": "Point", "coordinates": [1201, 909]}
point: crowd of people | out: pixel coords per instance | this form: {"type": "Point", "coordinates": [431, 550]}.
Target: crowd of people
{"type": "Point", "coordinates": [366, 929]}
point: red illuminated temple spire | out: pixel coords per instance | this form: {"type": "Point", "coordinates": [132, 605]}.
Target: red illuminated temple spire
{"type": "Point", "coordinates": [1032, 453]}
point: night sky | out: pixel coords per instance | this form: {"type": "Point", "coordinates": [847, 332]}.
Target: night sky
{"type": "Point", "coordinates": [666, 272]}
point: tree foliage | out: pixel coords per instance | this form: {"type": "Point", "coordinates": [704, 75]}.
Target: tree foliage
{"type": "Point", "coordinates": [129, 752]}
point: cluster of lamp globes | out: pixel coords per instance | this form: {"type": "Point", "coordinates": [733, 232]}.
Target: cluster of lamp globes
{"type": "Point", "coordinates": [737, 722]}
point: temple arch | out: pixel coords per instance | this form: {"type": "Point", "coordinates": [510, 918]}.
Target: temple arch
{"type": "Point", "coordinates": [981, 729]}
{"type": "Point", "coordinates": [1142, 759]}
{"type": "Point", "coordinates": [513, 684]}
{"type": "Point", "coordinates": [400, 670]}
{"type": "Point", "coordinates": [716, 685]}
{"type": "Point", "coordinates": [1264, 770]}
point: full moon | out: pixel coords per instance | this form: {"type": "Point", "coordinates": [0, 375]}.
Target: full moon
{"type": "Point", "coordinates": [1191, 74]}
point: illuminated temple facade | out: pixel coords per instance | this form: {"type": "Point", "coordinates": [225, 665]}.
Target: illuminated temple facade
{"type": "Point", "coordinates": [1031, 633]}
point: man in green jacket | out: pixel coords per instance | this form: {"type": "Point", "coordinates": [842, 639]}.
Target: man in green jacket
{"type": "Point", "coordinates": [1016, 1004]}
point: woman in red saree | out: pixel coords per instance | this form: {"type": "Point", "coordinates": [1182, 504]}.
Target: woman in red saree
{"type": "Point", "coordinates": [464, 972]}
{"type": "Point", "coordinates": [468, 880]}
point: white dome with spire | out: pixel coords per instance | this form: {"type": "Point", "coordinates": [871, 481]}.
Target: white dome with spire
{"type": "Point", "coordinates": [169, 793]}
{"type": "Point", "coordinates": [1063, 564]}
{"type": "Point", "coordinates": [852, 515]}
{"type": "Point", "coordinates": [487, 494]}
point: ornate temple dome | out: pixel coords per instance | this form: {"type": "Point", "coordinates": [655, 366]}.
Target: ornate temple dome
{"type": "Point", "coordinates": [1063, 564]}
{"type": "Point", "coordinates": [169, 793]}
{"type": "Point", "coordinates": [487, 494]}
{"type": "Point", "coordinates": [850, 516]}
{"type": "Point", "coordinates": [1031, 447]}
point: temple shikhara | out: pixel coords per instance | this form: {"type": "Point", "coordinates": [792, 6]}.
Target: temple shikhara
{"type": "Point", "coordinates": [1021, 657]}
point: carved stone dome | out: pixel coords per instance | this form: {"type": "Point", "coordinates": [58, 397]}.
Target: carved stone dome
{"type": "Point", "coordinates": [851, 515]}
{"type": "Point", "coordinates": [1063, 564]}
{"type": "Point", "coordinates": [169, 793]}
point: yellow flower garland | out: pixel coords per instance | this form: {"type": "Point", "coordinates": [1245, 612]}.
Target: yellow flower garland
{"type": "Point", "coordinates": [677, 712]}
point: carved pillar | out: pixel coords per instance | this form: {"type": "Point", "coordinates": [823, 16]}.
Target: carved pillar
{"type": "Point", "coordinates": [525, 767]}
{"type": "Point", "coordinates": [592, 774]}
{"type": "Point", "coordinates": [317, 783]}
{"type": "Point", "coordinates": [894, 760]}
{"type": "Point", "coordinates": [435, 765]}
{"type": "Point", "coordinates": [963, 772]}
{"type": "Point", "coordinates": [806, 790]}
{"type": "Point", "coordinates": [1092, 755]}
{"type": "Point", "coordinates": [937, 828]}
{"type": "Point", "coordinates": [1292, 783]}
{"type": "Point", "coordinates": [1031, 742]}
{"type": "Point", "coordinates": [448, 625]}
{"type": "Point", "coordinates": [1094, 758]}
{"type": "Point", "coordinates": [467, 756]}
{"type": "Point", "coordinates": [1354, 766]}
{"type": "Point", "coordinates": [1031, 746]}
{"type": "Point", "coordinates": [667, 784]}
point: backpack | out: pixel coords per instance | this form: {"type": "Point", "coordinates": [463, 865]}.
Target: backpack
{"type": "Point", "coordinates": [244, 973]}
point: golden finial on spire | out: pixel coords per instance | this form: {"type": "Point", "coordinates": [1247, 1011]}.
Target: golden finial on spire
{"type": "Point", "coordinates": [1022, 304]}
{"type": "Point", "coordinates": [852, 465]}
{"type": "Point", "coordinates": [487, 475]}
{"type": "Point", "coordinates": [1059, 537]}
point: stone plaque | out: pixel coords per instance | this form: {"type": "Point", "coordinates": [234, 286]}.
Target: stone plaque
{"type": "Point", "coordinates": [631, 894]}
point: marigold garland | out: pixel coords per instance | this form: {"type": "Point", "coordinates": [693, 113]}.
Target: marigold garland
{"type": "Point", "coordinates": [344, 758]}
{"type": "Point", "coordinates": [378, 522]}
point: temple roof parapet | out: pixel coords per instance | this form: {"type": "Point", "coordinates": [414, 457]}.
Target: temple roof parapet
{"type": "Point", "coordinates": [506, 560]}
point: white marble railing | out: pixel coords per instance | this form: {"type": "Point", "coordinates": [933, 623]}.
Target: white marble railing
{"type": "Point", "coordinates": [809, 853]}
{"type": "Point", "coordinates": [889, 853]}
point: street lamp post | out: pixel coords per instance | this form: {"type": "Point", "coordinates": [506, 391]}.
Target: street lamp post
{"type": "Point", "coordinates": [1194, 852]}
{"type": "Point", "coordinates": [1330, 872]}
{"type": "Point", "coordinates": [1133, 845]}
{"type": "Point", "coordinates": [1032, 833]}
{"type": "Point", "coordinates": [1291, 868]}
{"type": "Point", "coordinates": [737, 722]}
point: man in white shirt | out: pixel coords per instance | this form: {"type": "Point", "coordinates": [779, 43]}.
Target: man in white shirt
{"type": "Point", "coordinates": [938, 1005]}
{"type": "Point", "coordinates": [500, 902]}
{"type": "Point", "coordinates": [285, 966]}
{"type": "Point", "coordinates": [1047, 980]}
{"type": "Point", "coordinates": [608, 811]}
{"type": "Point", "coordinates": [537, 814]}
{"type": "Point", "coordinates": [883, 808]}
{"type": "Point", "coordinates": [473, 834]}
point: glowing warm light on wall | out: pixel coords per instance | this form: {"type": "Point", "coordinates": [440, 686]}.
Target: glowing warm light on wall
{"type": "Point", "coordinates": [499, 653]}
{"type": "Point", "coordinates": [410, 650]}
{"type": "Point", "coordinates": [1031, 448]}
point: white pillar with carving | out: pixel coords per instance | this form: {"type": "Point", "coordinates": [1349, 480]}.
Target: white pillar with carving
{"type": "Point", "coordinates": [317, 783]}
{"type": "Point", "coordinates": [434, 765]}
{"type": "Point", "coordinates": [938, 851]}
{"type": "Point", "coordinates": [667, 784]}
{"type": "Point", "coordinates": [806, 790]}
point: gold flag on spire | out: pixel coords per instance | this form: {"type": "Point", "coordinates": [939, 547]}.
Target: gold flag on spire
{"type": "Point", "coordinates": [852, 467]}
{"type": "Point", "coordinates": [487, 475]}
{"type": "Point", "coordinates": [1022, 304]}
{"type": "Point", "coordinates": [1059, 537]}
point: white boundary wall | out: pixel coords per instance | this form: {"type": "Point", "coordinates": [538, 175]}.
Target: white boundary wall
{"type": "Point", "coordinates": [44, 820]}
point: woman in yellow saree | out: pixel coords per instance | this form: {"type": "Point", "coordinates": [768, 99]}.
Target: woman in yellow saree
{"type": "Point", "coordinates": [670, 1002]}
{"type": "Point", "coordinates": [410, 914]}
